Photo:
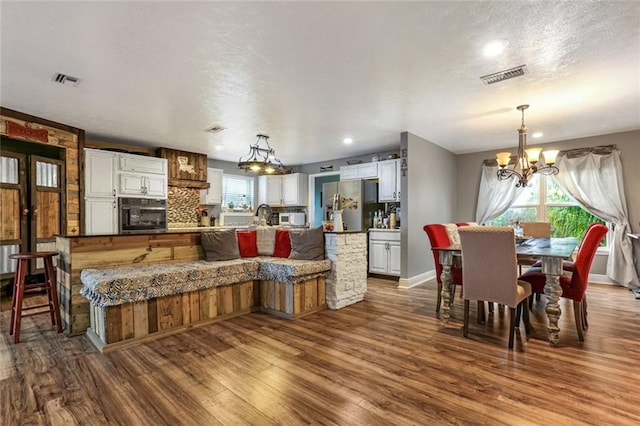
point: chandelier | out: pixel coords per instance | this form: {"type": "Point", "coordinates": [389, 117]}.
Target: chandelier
{"type": "Point", "coordinates": [261, 160]}
{"type": "Point", "coordinates": [527, 161]}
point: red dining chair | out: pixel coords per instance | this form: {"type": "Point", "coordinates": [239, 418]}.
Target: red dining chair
{"type": "Point", "coordinates": [573, 283]}
{"type": "Point", "coordinates": [438, 238]}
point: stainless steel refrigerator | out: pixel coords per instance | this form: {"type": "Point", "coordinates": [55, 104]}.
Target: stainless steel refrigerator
{"type": "Point", "coordinates": [358, 202]}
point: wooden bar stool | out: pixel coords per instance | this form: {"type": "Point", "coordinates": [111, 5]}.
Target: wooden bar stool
{"type": "Point", "coordinates": [20, 288]}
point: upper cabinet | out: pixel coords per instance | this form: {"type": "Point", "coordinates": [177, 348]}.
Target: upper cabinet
{"type": "Point", "coordinates": [99, 176]}
{"type": "Point", "coordinates": [359, 171]}
{"type": "Point", "coordinates": [283, 190]}
{"type": "Point", "coordinates": [212, 195]}
{"type": "Point", "coordinates": [142, 164]}
{"type": "Point", "coordinates": [389, 181]}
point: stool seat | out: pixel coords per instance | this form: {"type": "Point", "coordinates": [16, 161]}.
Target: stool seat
{"type": "Point", "coordinates": [20, 288]}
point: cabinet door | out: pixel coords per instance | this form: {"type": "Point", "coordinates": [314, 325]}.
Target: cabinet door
{"type": "Point", "coordinates": [368, 170]}
{"type": "Point", "coordinates": [213, 195]}
{"type": "Point", "coordinates": [348, 172]}
{"type": "Point", "coordinates": [143, 164]}
{"type": "Point", "coordinates": [394, 258]}
{"type": "Point", "coordinates": [155, 186]}
{"type": "Point", "coordinates": [99, 173]}
{"type": "Point", "coordinates": [131, 184]}
{"type": "Point", "coordinates": [387, 181]}
{"type": "Point", "coordinates": [378, 256]}
{"type": "Point", "coordinates": [270, 190]}
{"type": "Point", "coordinates": [101, 217]}
{"type": "Point", "coordinates": [290, 190]}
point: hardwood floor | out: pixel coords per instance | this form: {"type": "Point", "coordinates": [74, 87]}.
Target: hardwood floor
{"type": "Point", "coordinates": [385, 361]}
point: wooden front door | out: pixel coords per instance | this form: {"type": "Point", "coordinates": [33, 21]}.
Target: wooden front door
{"type": "Point", "coordinates": [33, 201]}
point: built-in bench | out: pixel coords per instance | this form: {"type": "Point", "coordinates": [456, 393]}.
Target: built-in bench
{"type": "Point", "coordinates": [129, 304]}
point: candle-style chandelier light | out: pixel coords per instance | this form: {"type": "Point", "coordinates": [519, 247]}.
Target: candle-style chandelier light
{"type": "Point", "coordinates": [262, 160]}
{"type": "Point", "coordinates": [527, 161]}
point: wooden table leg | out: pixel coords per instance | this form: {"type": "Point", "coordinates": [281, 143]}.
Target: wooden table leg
{"type": "Point", "coordinates": [446, 260]}
{"type": "Point", "coordinates": [552, 268]}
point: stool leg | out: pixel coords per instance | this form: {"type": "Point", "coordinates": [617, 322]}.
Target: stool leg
{"type": "Point", "coordinates": [52, 291]}
{"type": "Point", "coordinates": [16, 310]}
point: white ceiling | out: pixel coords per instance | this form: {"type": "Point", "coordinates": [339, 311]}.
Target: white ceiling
{"type": "Point", "coordinates": [312, 73]}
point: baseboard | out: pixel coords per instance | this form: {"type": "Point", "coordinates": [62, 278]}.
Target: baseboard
{"type": "Point", "coordinates": [417, 279]}
{"type": "Point", "coordinates": [601, 279]}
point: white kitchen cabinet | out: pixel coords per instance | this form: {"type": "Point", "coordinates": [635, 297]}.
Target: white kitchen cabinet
{"type": "Point", "coordinates": [359, 171]}
{"type": "Point", "coordinates": [142, 164]}
{"type": "Point", "coordinates": [101, 216]}
{"type": "Point", "coordinates": [99, 176]}
{"type": "Point", "coordinates": [283, 190]}
{"type": "Point", "coordinates": [384, 252]}
{"type": "Point", "coordinates": [212, 195]}
{"type": "Point", "coordinates": [388, 181]}
{"type": "Point", "coordinates": [143, 185]}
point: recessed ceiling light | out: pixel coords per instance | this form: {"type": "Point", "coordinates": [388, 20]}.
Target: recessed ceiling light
{"type": "Point", "coordinates": [219, 147]}
{"type": "Point", "coordinates": [537, 135]}
{"type": "Point", "coordinates": [495, 47]}
{"type": "Point", "coordinates": [347, 141]}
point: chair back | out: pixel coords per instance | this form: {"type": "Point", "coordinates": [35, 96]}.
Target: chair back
{"type": "Point", "coordinates": [587, 251]}
{"type": "Point", "coordinates": [437, 238]}
{"type": "Point", "coordinates": [489, 264]}
{"type": "Point", "coordinates": [536, 229]}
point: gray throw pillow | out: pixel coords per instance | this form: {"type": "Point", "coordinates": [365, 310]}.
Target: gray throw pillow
{"type": "Point", "coordinates": [220, 245]}
{"type": "Point", "coordinates": [307, 244]}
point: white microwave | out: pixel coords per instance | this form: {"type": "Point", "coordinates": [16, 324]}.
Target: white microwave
{"type": "Point", "coordinates": [292, 219]}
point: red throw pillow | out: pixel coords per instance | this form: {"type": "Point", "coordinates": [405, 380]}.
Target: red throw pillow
{"type": "Point", "coordinates": [247, 243]}
{"type": "Point", "coordinates": [283, 244]}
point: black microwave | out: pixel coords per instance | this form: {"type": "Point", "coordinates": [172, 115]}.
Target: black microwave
{"type": "Point", "coordinates": [140, 215]}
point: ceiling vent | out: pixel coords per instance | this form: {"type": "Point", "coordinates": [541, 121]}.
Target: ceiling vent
{"type": "Point", "coordinates": [65, 79]}
{"type": "Point", "coordinates": [216, 129]}
{"type": "Point", "coordinates": [504, 75]}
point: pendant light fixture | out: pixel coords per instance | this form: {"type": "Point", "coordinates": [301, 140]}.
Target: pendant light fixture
{"type": "Point", "coordinates": [527, 161]}
{"type": "Point", "coordinates": [262, 160]}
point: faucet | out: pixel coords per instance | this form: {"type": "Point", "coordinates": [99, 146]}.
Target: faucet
{"type": "Point", "coordinates": [268, 211]}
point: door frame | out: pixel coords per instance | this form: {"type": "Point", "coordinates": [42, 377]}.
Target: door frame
{"type": "Point", "coordinates": [312, 188]}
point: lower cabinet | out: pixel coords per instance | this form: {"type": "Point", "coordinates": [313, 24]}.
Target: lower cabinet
{"type": "Point", "coordinates": [384, 252]}
{"type": "Point", "coordinates": [101, 216]}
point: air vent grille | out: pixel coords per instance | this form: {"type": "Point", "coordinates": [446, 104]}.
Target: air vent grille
{"type": "Point", "coordinates": [65, 79]}
{"type": "Point", "coordinates": [504, 75]}
{"type": "Point", "coordinates": [216, 129]}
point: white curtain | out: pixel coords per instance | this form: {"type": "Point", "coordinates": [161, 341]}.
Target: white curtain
{"type": "Point", "coordinates": [494, 196]}
{"type": "Point", "coordinates": [595, 181]}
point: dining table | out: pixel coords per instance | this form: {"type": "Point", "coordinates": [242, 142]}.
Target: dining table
{"type": "Point", "coordinates": [551, 251]}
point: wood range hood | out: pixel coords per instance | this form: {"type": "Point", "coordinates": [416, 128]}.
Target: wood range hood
{"type": "Point", "coordinates": [186, 169]}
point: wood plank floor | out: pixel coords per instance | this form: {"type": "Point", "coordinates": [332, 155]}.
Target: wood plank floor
{"type": "Point", "coordinates": [385, 361]}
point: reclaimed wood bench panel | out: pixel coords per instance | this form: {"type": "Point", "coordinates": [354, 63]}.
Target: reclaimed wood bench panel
{"type": "Point", "coordinates": [293, 300]}
{"type": "Point", "coordinates": [121, 325]}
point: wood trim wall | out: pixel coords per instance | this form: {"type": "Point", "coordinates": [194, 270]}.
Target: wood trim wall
{"type": "Point", "coordinates": [63, 136]}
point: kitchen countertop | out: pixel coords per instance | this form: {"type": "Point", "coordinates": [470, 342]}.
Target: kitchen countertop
{"type": "Point", "coordinates": [384, 229]}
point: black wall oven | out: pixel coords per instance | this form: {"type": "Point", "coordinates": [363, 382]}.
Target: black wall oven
{"type": "Point", "coordinates": [140, 215]}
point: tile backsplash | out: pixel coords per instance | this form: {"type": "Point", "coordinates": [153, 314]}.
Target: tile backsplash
{"type": "Point", "coordinates": [183, 205]}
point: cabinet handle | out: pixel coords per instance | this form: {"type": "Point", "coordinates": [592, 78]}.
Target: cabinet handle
{"type": "Point", "coordinates": [34, 210]}
{"type": "Point", "coordinates": [25, 211]}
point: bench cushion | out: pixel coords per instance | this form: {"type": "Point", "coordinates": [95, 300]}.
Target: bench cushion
{"type": "Point", "coordinates": [291, 270]}
{"type": "Point", "coordinates": [108, 287]}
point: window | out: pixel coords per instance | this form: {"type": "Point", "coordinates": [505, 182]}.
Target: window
{"type": "Point", "coordinates": [237, 190]}
{"type": "Point", "coordinates": [545, 201]}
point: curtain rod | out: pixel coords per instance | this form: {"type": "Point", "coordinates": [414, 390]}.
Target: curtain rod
{"type": "Point", "coordinates": [570, 153]}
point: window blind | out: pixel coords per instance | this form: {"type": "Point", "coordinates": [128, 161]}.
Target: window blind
{"type": "Point", "coordinates": [237, 190]}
